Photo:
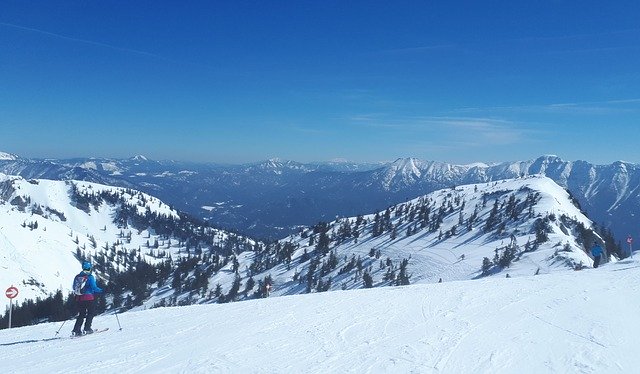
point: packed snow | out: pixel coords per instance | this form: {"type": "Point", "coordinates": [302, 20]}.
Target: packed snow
{"type": "Point", "coordinates": [570, 322]}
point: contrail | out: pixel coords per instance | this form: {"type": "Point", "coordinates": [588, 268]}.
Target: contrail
{"type": "Point", "coordinates": [84, 41]}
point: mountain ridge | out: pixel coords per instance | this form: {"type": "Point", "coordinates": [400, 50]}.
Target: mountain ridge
{"type": "Point", "coordinates": [269, 199]}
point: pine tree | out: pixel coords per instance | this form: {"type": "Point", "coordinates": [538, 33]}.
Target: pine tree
{"type": "Point", "coordinates": [403, 277]}
{"type": "Point", "coordinates": [323, 243]}
{"type": "Point", "coordinates": [367, 280]}
{"type": "Point", "coordinates": [486, 266]}
{"type": "Point", "coordinates": [249, 286]}
{"type": "Point", "coordinates": [493, 219]}
{"type": "Point", "coordinates": [235, 287]}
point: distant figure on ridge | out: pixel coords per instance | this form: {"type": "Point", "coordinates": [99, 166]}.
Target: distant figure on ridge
{"type": "Point", "coordinates": [596, 252]}
{"type": "Point", "coordinates": [84, 288]}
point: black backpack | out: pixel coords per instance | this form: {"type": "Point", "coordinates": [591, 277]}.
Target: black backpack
{"type": "Point", "coordinates": [80, 284]}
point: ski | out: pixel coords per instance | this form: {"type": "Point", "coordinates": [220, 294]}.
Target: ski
{"type": "Point", "coordinates": [96, 331]}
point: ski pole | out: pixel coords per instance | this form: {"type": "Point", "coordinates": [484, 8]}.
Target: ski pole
{"type": "Point", "coordinates": [65, 321]}
{"type": "Point", "coordinates": [118, 319]}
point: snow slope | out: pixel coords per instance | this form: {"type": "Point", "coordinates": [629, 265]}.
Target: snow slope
{"type": "Point", "coordinates": [432, 258]}
{"type": "Point", "coordinates": [566, 322]}
{"type": "Point", "coordinates": [40, 261]}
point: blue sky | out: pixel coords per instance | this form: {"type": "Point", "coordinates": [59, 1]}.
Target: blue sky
{"type": "Point", "coordinates": [241, 81]}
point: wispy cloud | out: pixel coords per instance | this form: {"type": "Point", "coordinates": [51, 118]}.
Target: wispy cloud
{"type": "Point", "coordinates": [308, 130]}
{"type": "Point", "coordinates": [615, 40]}
{"type": "Point", "coordinates": [618, 33]}
{"type": "Point", "coordinates": [587, 50]}
{"type": "Point", "coordinates": [450, 131]}
{"type": "Point", "coordinates": [578, 108]}
{"type": "Point", "coordinates": [484, 129]}
{"type": "Point", "coordinates": [425, 48]}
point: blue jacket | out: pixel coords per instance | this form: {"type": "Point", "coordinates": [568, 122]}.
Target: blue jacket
{"type": "Point", "coordinates": [90, 288]}
{"type": "Point", "coordinates": [596, 250]}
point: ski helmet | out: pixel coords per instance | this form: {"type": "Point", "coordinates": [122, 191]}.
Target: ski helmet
{"type": "Point", "coordinates": [86, 265]}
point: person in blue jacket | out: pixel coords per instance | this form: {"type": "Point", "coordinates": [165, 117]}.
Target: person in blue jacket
{"type": "Point", "coordinates": [85, 302]}
{"type": "Point", "coordinates": [596, 252]}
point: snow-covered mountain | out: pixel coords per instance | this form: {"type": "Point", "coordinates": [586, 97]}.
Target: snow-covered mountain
{"type": "Point", "coordinates": [271, 198]}
{"type": "Point", "coordinates": [7, 156]}
{"type": "Point", "coordinates": [264, 199]}
{"type": "Point", "coordinates": [564, 322]}
{"type": "Point", "coordinates": [47, 226]}
{"type": "Point", "coordinates": [514, 227]}
{"type": "Point", "coordinates": [520, 226]}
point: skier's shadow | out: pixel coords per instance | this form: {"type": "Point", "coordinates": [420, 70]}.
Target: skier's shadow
{"type": "Point", "coordinates": [29, 341]}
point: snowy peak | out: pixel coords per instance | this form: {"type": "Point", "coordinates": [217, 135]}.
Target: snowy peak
{"type": "Point", "coordinates": [8, 157]}
{"type": "Point", "coordinates": [406, 167]}
{"type": "Point", "coordinates": [139, 158]}
{"type": "Point", "coordinates": [277, 166]}
{"type": "Point", "coordinates": [275, 163]}
{"type": "Point", "coordinates": [545, 163]}
{"type": "Point", "coordinates": [409, 173]}
{"type": "Point", "coordinates": [402, 172]}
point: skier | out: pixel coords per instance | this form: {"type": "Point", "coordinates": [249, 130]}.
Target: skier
{"type": "Point", "coordinates": [85, 298]}
{"type": "Point", "coordinates": [596, 252]}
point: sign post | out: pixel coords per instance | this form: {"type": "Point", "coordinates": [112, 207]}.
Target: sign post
{"type": "Point", "coordinates": [11, 293]}
{"type": "Point", "coordinates": [630, 240]}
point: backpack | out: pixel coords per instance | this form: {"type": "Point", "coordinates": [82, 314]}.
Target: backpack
{"type": "Point", "coordinates": [80, 284]}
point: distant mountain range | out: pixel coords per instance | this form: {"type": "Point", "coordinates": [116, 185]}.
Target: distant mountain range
{"type": "Point", "coordinates": [270, 199]}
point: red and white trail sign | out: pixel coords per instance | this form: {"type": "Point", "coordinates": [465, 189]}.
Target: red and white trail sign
{"type": "Point", "coordinates": [11, 292]}
{"type": "Point", "coordinates": [629, 240]}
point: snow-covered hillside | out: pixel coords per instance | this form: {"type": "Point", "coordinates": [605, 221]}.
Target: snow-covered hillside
{"type": "Point", "coordinates": [39, 227]}
{"type": "Point", "coordinates": [518, 227]}
{"type": "Point", "coordinates": [46, 226]}
{"type": "Point", "coordinates": [565, 322]}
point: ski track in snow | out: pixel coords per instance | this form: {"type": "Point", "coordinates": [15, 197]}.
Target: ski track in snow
{"type": "Point", "coordinates": [572, 322]}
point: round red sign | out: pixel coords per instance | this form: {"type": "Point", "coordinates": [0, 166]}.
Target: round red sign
{"type": "Point", "coordinates": [11, 292]}
{"type": "Point", "coordinates": [629, 240]}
